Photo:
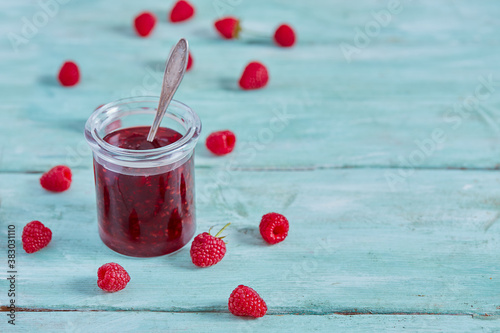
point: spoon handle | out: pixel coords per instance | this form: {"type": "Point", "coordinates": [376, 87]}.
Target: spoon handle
{"type": "Point", "coordinates": [174, 72]}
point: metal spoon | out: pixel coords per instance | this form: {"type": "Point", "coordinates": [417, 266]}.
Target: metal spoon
{"type": "Point", "coordinates": [174, 72]}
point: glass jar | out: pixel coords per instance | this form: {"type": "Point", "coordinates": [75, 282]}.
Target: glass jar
{"type": "Point", "coordinates": [145, 198]}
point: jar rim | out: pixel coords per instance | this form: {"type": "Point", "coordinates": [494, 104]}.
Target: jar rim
{"type": "Point", "coordinates": [186, 143]}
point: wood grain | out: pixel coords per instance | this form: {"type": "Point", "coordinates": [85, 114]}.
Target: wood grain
{"type": "Point", "coordinates": [354, 246]}
{"type": "Point", "coordinates": [389, 231]}
{"type": "Point", "coordinates": [369, 112]}
{"type": "Point", "coordinates": [80, 322]}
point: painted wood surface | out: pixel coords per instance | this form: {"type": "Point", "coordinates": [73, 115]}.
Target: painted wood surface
{"type": "Point", "coordinates": [383, 223]}
{"type": "Point", "coordinates": [401, 87]}
{"type": "Point", "coordinates": [354, 247]}
{"type": "Point", "coordinates": [79, 322]}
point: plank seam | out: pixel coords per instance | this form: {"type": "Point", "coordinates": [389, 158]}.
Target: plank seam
{"type": "Point", "coordinates": [309, 168]}
{"type": "Point", "coordinates": [344, 313]}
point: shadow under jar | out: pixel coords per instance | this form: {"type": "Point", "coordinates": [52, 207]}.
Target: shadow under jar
{"type": "Point", "coordinates": [145, 190]}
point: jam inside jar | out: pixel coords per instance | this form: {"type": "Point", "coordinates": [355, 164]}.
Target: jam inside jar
{"type": "Point", "coordinates": [144, 190]}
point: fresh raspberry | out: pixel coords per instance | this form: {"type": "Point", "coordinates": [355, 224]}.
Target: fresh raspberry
{"type": "Point", "coordinates": [36, 236]}
{"type": "Point", "coordinates": [181, 11]}
{"type": "Point", "coordinates": [190, 62]}
{"type": "Point", "coordinates": [221, 142]}
{"type": "Point", "coordinates": [112, 277]}
{"type": "Point", "coordinates": [228, 27]}
{"type": "Point", "coordinates": [255, 76]}
{"type": "Point", "coordinates": [284, 36]}
{"type": "Point", "coordinates": [144, 23]}
{"type": "Point", "coordinates": [273, 228]}
{"type": "Point", "coordinates": [57, 179]}
{"type": "Point", "coordinates": [69, 74]}
{"type": "Point", "coordinates": [207, 250]}
{"type": "Point", "coordinates": [244, 301]}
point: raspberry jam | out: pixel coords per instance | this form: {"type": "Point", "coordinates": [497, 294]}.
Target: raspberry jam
{"type": "Point", "coordinates": [144, 190]}
{"type": "Point", "coordinates": [145, 215]}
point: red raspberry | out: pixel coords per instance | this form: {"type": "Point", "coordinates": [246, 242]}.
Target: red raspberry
{"type": "Point", "coordinates": [284, 36]}
{"type": "Point", "coordinates": [144, 23]}
{"type": "Point", "coordinates": [36, 236]}
{"type": "Point", "coordinates": [244, 301]}
{"type": "Point", "coordinates": [273, 228]}
{"type": "Point", "coordinates": [112, 277]}
{"type": "Point", "coordinates": [69, 75]}
{"type": "Point", "coordinates": [255, 76]}
{"type": "Point", "coordinates": [181, 11]}
{"type": "Point", "coordinates": [221, 142]}
{"type": "Point", "coordinates": [57, 179]}
{"type": "Point", "coordinates": [228, 27]}
{"type": "Point", "coordinates": [207, 250]}
{"type": "Point", "coordinates": [190, 62]}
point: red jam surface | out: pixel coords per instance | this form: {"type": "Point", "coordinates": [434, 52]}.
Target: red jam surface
{"type": "Point", "coordinates": [145, 216]}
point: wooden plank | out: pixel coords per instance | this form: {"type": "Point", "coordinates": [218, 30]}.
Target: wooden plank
{"type": "Point", "coordinates": [368, 112]}
{"type": "Point", "coordinates": [354, 245]}
{"type": "Point", "coordinates": [398, 245]}
{"type": "Point", "coordinates": [76, 322]}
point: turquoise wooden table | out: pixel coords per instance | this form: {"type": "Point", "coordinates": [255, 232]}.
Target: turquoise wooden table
{"type": "Point", "coordinates": [385, 162]}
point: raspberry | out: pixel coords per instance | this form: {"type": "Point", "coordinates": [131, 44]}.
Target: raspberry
{"type": "Point", "coordinates": [181, 11]}
{"type": "Point", "coordinates": [57, 179]}
{"type": "Point", "coordinates": [284, 36]}
{"type": "Point", "coordinates": [273, 228]}
{"type": "Point", "coordinates": [207, 250]}
{"type": "Point", "coordinates": [190, 62]}
{"type": "Point", "coordinates": [69, 75]}
{"type": "Point", "coordinates": [112, 277]}
{"type": "Point", "coordinates": [221, 142]}
{"type": "Point", "coordinates": [144, 23]}
{"type": "Point", "coordinates": [255, 76]}
{"type": "Point", "coordinates": [36, 236]}
{"type": "Point", "coordinates": [228, 27]}
{"type": "Point", "coordinates": [244, 301]}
